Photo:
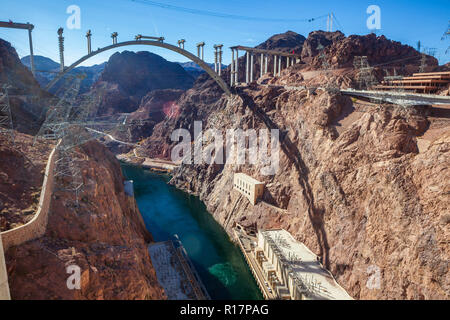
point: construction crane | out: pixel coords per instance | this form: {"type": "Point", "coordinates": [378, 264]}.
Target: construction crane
{"type": "Point", "coordinates": [23, 26]}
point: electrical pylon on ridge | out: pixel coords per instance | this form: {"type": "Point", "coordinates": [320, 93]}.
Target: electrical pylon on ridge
{"type": "Point", "coordinates": [323, 57]}
{"type": "Point", "coordinates": [423, 60]}
{"type": "Point", "coordinates": [365, 79]}
{"type": "Point", "coordinates": [57, 117]}
{"type": "Point", "coordinates": [446, 35]}
{"type": "Point", "coordinates": [6, 121]}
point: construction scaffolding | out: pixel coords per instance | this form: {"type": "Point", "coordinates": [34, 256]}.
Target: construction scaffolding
{"type": "Point", "coordinates": [6, 121]}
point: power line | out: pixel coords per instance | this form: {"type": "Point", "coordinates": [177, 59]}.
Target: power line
{"type": "Point", "coordinates": [336, 19]}
{"type": "Point", "coordinates": [221, 15]}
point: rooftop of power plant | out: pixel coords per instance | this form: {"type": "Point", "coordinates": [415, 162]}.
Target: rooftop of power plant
{"type": "Point", "coordinates": [304, 267]}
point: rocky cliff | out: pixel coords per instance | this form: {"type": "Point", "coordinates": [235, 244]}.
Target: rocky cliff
{"type": "Point", "coordinates": [26, 96]}
{"type": "Point", "coordinates": [129, 76]}
{"type": "Point", "coordinates": [104, 235]}
{"type": "Point", "coordinates": [365, 186]}
{"type": "Point", "coordinates": [339, 52]}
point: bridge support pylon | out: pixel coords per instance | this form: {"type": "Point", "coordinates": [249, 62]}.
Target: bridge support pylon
{"type": "Point", "coordinates": [61, 48]}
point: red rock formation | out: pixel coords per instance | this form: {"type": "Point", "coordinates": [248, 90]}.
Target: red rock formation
{"type": "Point", "coordinates": [21, 175]}
{"type": "Point", "coordinates": [104, 236]}
{"type": "Point", "coordinates": [285, 42]}
{"type": "Point", "coordinates": [378, 50]}
{"type": "Point", "coordinates": [363, 185]}
{"type": "Point", "coordinates": [157, 105]}
{"type": "Point", "coordinates": [13, 71]}
{"type": "Point", "coordinates": [26, 97]}
{"type": "Point", "coordinates": [129, 76]}
{"type": "Point", "coordinates": [317, 41]}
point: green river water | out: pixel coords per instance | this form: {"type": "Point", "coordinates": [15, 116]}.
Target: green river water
{"type": "Point", "coordinates": [168, 211]}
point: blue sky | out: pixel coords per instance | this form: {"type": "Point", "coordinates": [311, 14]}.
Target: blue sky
{"type": "Point", "coordinates": [406, 21]}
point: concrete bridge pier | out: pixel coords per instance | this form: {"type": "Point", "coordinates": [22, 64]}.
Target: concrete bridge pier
{"type": "Point", "coordinates": [232, 68]}
{"type": "Point", "coordinates": [236, 70]}
{"type": "Point", "coordinates": [266, 63]}
{"type": "Point", "coordinates": [215, 60]}
{"type": "Point", "coordinates": [279, 65]}
{"type": "Point", "coordinates": [30, 40]}
{"type": "Point", "coordinates": [200, 50]}
{"type": "Point", "coordinates": [247, 68]}
{"type": "Point", "coordinates": [274, 65]}
{"type": "Point", "coordinates": [114, 37]}
{"type": "Point", "coordinates": [251, 66]}
{"type": "Point", "coordinates": [61, 48]}
{"type": "Point", "coordinates": [261, 62]}
{"type": "Point", "coordinates": [181, 43]}
{"type": "Point", "coordinates": [218, 58]}
{"type": "Point", "coordinates": [88, 36]}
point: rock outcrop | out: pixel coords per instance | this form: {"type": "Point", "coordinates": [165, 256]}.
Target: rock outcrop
{"type": "Point", "coordinates": [12, 71]}
{"type": "Point", "coordinates": [317, 41]}
{"type": "Point", "coordinates": [129, 76]}
{"type": "Point", "coordinates": [285, 42]}
{"type": "Point", "coordinates": [363, 185]}
{"type": "Point", "coordinates": [21, 174]}
{"type": "Point", "coordinates": [378, 49]}
{"type": "Point", "coordinates": [104, 236]}
{"type": "Point", "coordinates": [26, 96]}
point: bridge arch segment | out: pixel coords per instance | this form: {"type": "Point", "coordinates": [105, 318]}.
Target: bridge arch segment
{"type": "Point", "coordinates": [181, 51]}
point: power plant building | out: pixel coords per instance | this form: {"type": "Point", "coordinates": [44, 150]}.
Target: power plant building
{"type": "Point", "coordinates": [251, 188]}
{"type": "Point", "coordinates": [293, 271]}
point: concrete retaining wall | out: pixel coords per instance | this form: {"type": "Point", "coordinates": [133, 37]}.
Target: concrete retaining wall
{"type": "Point", "coordinates": [4, 288]}
{"type": "Point", "coordinates": [36, 227]}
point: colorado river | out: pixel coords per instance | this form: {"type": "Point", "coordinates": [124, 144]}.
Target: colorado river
{"type": "Point", "coordinates": [168, 211]}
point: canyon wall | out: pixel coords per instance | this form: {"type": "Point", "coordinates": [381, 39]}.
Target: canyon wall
{"type": "Point", "coordinates": [358, 192]}
{"type": "Point", "coordinates": [363, 185]}
{"type": "Point", "coordinates": [104, 236]}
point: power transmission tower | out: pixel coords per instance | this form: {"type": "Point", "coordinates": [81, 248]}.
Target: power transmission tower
{"type": "Point", "coordinates": [323, 57]}
{"type": "Point", "coordinates": [68, 121]}
{"type": "Point", "coordinates": [423, 61]}
{"type": "Point", "coordinates": [365, 79]}
{"type": "Point", "coordinates": [57, 117]}
{"type": "Point", "coordinates": [57, 127]}
{"type": "Point", "coordinates": [446, 36]}
{"type": "Point", "coordinates": [6, 121]}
